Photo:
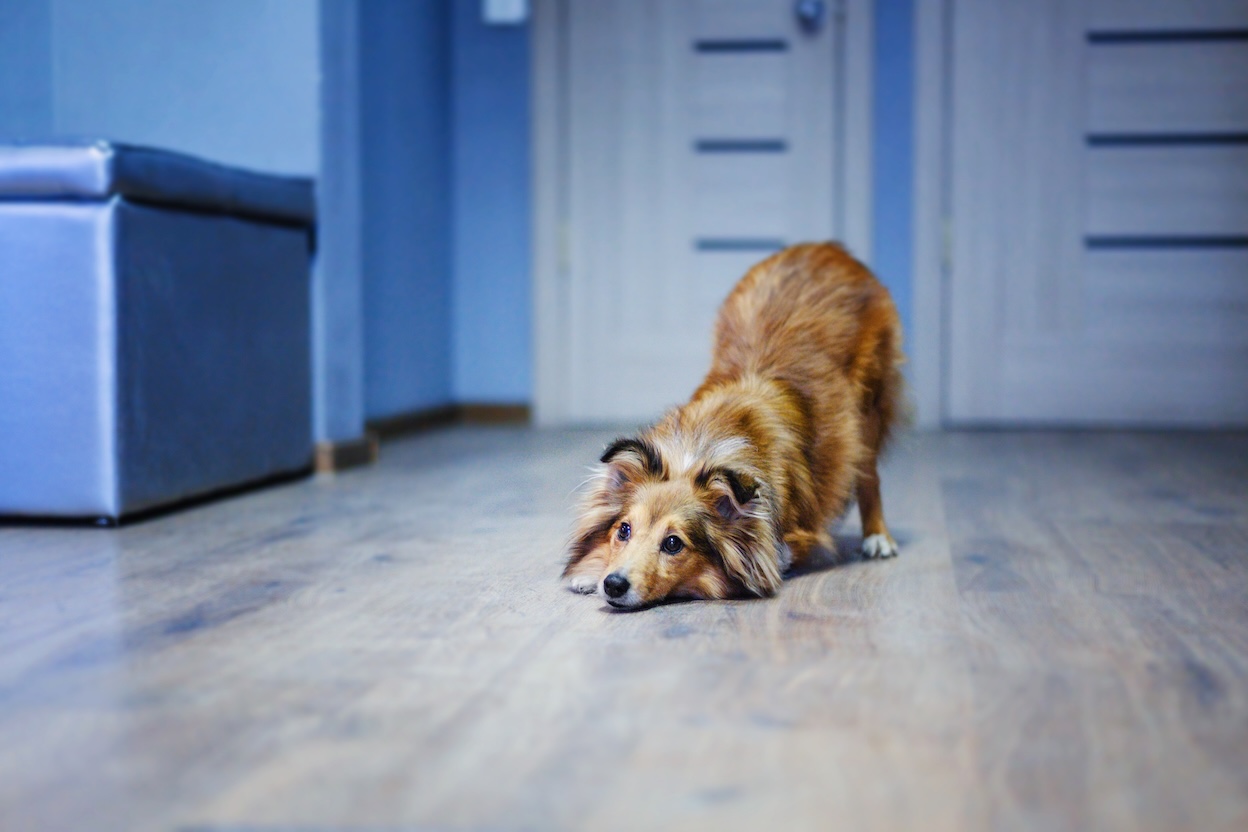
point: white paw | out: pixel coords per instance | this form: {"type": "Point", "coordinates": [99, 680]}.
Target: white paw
{"type": "Point", "coordinates": [878, 546]}
{"type": "Point", "coordinates": [584, 584]}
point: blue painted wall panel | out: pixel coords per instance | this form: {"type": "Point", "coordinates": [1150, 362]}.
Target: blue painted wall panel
{"type": "Point", "coordinates": [338, 410]}
{"type": "Point", "coordinates": [406, 174]}
{"type": "Point", "coordinates": [893, 157]}
{"type": "Point", "coordinates": [234, 81]}
{"type": "Point", "coordinates": [492, 307]}
{"type": "Point", "coordinates": [25, 69]}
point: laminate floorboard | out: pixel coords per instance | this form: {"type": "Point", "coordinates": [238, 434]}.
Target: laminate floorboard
{"type": "Point", "coordinates": [1062, 644]}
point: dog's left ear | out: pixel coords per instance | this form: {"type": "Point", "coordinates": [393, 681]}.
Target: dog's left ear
{"type": "Point", "coordinates": [748, 541]}
{"type": "Point", "coordinates": [734, 492]}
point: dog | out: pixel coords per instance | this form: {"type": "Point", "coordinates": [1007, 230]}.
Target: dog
{"type": "Point", "coordinates": [728, 492]}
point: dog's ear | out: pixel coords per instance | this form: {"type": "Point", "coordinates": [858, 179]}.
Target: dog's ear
{"type": "Point", "coordinates": [734, 491]}
{"type": "Point", "coordinates": [625, 463]}
{"type": "Point", "coordinates": [747, 534]}
{"type": "Point", "coordinates": [630, 460]}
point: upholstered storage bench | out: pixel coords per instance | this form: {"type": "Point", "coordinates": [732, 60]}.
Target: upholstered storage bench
{"type": "Point", "coordinates": [154, 329]}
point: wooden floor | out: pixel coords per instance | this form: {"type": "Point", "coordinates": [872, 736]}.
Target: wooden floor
{"type": "Point", "coordinates": [1062, 644]}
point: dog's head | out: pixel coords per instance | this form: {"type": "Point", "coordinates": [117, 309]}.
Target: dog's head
{"type": "Point", "coordinates": [670, 518]}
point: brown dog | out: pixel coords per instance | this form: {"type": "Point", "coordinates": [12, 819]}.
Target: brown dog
{"type": "Point", "coordinates": [727, 492]}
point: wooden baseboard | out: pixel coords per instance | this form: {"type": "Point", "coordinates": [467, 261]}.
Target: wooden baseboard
{"type": "Point", "coordinates": [419, 421]}
{"type": "Point", "coordinates": [416, 421]}
{"type": "Point", "coordinates": [495, 414]}
{"type": "Point", "coordinates": [339, 456]}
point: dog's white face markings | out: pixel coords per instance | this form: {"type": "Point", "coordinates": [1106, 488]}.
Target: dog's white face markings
{"type": "Point", "coordinates": [688, 460]}
{"type": "Point", "coordinates": [878, 546]}
{"type": "Point", "coordinates": [727, 447]}
{"type": "Point", "coordinates": [689, 453]}
{"type": "Point", "coordinates": [681, 452]}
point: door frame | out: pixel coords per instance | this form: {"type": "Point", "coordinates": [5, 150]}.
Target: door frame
{"type": "Point", "coordinates": [932, 230]}
{"type": "Point", "coordinates": [551, 339]}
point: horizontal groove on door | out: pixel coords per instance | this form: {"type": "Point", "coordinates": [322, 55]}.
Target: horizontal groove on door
{"type": "Point", "coordinates": [740, 145]}
{"type": "Point", "coordinates": [1162, 139]}
{"type": "Point", "coordinates": [738, 244]}
{"type": "Point", "coordinates": [1168, 242]}
{"type": "Point", "coordinates": [1168, 36]}
{"type": "Point", "coordinates": [742, 45]}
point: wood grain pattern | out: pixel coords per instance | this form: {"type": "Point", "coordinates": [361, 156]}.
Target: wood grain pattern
{"type": "Point", "coordinates": [1062, 644]}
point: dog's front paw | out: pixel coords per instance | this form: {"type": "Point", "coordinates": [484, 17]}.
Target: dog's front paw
{"type": "Point", "coordinates": [583, 584]}
{"type": "Point", "coordinates": [878, 546]}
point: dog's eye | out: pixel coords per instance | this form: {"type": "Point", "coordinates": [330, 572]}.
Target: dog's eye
{"type": "Point", "coordinates": [672, 544]}
{"type": "Point", "coordinates": [625, 531]}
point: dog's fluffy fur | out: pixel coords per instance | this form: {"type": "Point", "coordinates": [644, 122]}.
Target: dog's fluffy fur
{"type": "Point", "coordinates": [727, 492]}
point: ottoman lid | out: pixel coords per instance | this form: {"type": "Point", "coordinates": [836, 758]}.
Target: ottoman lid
{"type": "Point", "coordinates": [98, 170]}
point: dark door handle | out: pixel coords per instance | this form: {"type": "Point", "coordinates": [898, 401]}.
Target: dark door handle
{"type": "Point", "coordinates": [810, 14]}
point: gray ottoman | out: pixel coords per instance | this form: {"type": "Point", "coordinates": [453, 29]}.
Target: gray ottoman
{"type": "Point", "coordinates": [154, 329]}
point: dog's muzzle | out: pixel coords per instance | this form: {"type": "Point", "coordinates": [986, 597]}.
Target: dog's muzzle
{"type": "Point", "coordinates": [620, 593]}
{"type": "Point", "coordinates": [615, 585]}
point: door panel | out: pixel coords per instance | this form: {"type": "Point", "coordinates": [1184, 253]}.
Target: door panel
{"type": "Point", "coordinates": [701, 138]}
{"type": "Point", "coordinates": [740, 194]}
{"type": "Point", "coordinates": [1168, 191]}
{"type": "Point", "coordinates": [1185, 296]}
{"type": "Point", "coordinates": [1184, 88]}
{"type": "Point", "coordinates": [739, 93]}
{"type": "Point", "coordinates": [1099, 199]}
{"type": "Point", "coordinates": [741, 19]}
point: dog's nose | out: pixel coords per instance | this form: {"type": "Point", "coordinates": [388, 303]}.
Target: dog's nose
{"type": "Point", "coordinates": [615, 585]}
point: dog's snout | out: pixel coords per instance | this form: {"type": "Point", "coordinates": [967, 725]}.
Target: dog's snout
{"type": "Point", "coordinates": [615, 585]}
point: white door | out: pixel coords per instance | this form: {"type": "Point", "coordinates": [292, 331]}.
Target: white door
{"type": "Point", "coordinates": [699, 137]}
{"type": "Point", "coordinates": [1099, 204]}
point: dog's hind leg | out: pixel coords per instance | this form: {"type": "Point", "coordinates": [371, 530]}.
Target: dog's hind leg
{"type": "Point", "coordinates": [876, 541]}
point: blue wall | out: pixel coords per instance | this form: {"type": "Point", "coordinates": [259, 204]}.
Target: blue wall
{"type": "Point", "coordinates": [445, 136]}
{"type": "Point", "coordinates": [338, 411]}
{"type": "Point", "coordinates": [491, 227]}
{"type": "Point", "coordinates": [25, 68]}
{"type": "Point", "coordinates": [406, 177]}
{"type": "Point", "coordinates": [231, 80]}
{"type": "Point", "coordinates": [893, 154]}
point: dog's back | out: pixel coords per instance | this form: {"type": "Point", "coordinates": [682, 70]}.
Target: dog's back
{"type": "Point", "coordinates": [816, 319]}
{"type": "Point", "coordinates": [806, 312]}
